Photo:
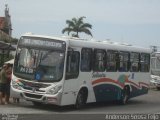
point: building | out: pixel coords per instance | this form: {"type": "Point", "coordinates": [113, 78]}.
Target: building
{"type": "Point", "coordinates": [5, 23]}
{"type": "Point", "coordinates": [5, 36]}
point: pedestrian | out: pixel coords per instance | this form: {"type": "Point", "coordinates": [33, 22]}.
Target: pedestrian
{"type": "Point", "coordinates": [9, 74]}
{"type": "Point", "coordinates": [3, 84]}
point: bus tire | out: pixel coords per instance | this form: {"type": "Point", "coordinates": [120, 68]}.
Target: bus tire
{"type": "Point", "coordinates": [81, 99]}
{"type": "Point", "coordinates": [125, 95]}
{"type": "Point", "coordinates": [158, 88]}
{"type": "Point", "coordinates": [36, 103]}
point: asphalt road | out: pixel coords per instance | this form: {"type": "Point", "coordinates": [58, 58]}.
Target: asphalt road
{"type": "Point", "coordinates": [148, 104]}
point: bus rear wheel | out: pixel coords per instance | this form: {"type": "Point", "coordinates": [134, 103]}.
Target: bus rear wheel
{"type": "Point", "coordinates": [125, 96]}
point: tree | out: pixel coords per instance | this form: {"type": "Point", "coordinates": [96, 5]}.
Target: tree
{"type": "Point", "coordinates": [76, 25]}
{"type": "Point", "coordinates": [7, 39]}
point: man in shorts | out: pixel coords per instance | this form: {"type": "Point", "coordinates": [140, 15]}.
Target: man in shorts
{"type": "Point", "coordinates": [3, 84]}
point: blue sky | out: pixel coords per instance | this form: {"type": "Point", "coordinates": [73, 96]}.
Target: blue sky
{"type": "Point", "coordinates": [136, 22]}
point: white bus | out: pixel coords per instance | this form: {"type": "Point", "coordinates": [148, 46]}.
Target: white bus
{"type": "Point", "coordinates": [155, 70]}
{"type": "Point", "coordinates": [74, 71]}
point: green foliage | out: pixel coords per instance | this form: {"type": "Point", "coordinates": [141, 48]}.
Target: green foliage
{"type": "Point", "coordinates": [4, 58]}
{"type": "Point", "coordinates": [7, 39]}
{"type": "Point", "coordinates": [14, 40]}
{"type": "Point", "coordinates": [7, 58]}
{"type": "Point", "coordinates": [76, 25]}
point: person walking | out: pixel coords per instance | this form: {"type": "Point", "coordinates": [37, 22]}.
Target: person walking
{"type": "Point", "coordinates": [3, 84]}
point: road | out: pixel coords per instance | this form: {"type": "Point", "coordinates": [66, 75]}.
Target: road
{"type": "Point", "coordinates": [146, 104]}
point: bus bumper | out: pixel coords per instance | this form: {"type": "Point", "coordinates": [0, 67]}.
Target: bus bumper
{"type": "Point", "coordinates": [36, 96]}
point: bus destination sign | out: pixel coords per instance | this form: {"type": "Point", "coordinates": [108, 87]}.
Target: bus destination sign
{"type": "Point", "coordinates": [42, 42]}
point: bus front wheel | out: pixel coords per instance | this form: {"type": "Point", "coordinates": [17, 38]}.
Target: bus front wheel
{"type": "Point", "coordinates": [81, 99]}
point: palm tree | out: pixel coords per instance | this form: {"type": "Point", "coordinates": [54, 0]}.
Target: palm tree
{"type": "Point", "coordinates": [76, 25]}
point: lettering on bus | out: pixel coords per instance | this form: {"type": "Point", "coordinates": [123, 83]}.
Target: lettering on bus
{"type": "Point", "coordinates": [27, 41]}
{"type": "Point", "coordinates": [131, 76]}
{"type": "Point", "coordinates": [26, 70]}
{"type": "Point", "coordinates": [98, 75]}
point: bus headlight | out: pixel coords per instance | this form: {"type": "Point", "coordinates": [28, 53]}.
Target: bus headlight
{"type": "Point", "coordinates": [54, 90]}
{"type": "Point", "coordinates": [16, 85]}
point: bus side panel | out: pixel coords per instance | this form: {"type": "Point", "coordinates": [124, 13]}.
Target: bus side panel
{"type": "Point", "coordinates": [107, 92]}
{"type": "Point", "coordinates": [84, 80]}
{"type": "Point", "coordinates": [136, 92]}
{"type": "Point", "coordinates": [73, 86]}
{"type": "Point", "coordinates": [107, 88]}
{"type": "Point", "coordinates": [141, 87]}
{"type": "Point", "coordinates": [111, 87]}
{"type": "Point", "coordinates": [69, 92]}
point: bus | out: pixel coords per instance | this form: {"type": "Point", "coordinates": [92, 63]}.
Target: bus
{"type": "Point", "coordinates": [74, 71]}
{"type": "Point", "coordinates": [155, 70]}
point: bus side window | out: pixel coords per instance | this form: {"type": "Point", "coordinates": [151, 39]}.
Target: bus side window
{"type": "Point", "coordinates": [144, 62]}
{"type": "Point", "coordinates": [134, 59]}
{"type": "Point", "coordinates": [99, 60]}
{"type": "Point", "coordinates": [123, 61]}
{"type": "Point", "coordinates": [86, 59]}
{"type": "Point", "coordinates": [72, 65]}
{"type": "Point", "coordinates": [111, 65]}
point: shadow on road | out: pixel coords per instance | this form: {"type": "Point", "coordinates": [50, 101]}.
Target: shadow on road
{"type": "Point", "coordinates": [70, 108]}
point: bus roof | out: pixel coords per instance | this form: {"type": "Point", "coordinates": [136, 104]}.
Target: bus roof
{"type": "Point", "coordinates": [92, 43]}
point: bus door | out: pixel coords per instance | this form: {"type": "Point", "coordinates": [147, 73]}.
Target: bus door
{"type": "Point", "coordinates": [72, 72]}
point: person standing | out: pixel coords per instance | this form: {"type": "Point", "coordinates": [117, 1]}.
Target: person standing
{"type": "Point", "coordinates": [3, 83]}
{"type": "Point", "coordinates": [9, 73]}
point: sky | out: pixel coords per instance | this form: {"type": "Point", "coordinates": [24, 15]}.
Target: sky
{"type": "Point", "coordinates": [135, 22]}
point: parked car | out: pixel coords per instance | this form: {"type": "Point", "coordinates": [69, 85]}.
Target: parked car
{"type": "Point", "coordinates": [155, 81]}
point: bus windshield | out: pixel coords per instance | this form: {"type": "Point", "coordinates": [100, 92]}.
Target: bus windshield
{"type": "Point", "coordinates": [40, 63]}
